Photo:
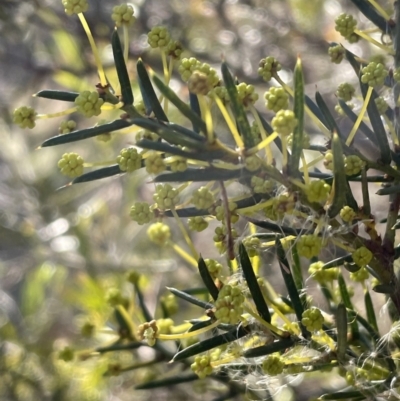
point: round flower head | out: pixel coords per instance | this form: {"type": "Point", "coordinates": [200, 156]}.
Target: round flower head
{"type": "Point", "coordinates": [246, 93]}
{"type": "Point", "coordinates": [374, 74]}
{"type": "Point", "coordinates": [312, 319]}
{"type": "Point", "coordinates": [202, 366]}
{"type": "Point", "coordinates": [347, 214]}
{"type": "Point", "coordinates": [381, 104]}
{"type": "Point", "coordinates": [166, 196]}
{"type": "Point", "coordinates": [197, 223]}
{"type": "Point", "coordinates": [67, 126]}
{"type": "Point", "coordinates": [202, 198]}
{"type": "Point", "coordinates": [277, 99]}
{"type": "Point", "coordinates": [141, 213]}
{"type": "Point", "coordinates": [336, 53]}
{"type": "Point", "coordinates": [89, 103]}
{"type": "Point", "coordinates": [71, 165]}
{"type": "Point", "coordinates": [284, 122]}
{"type": "Point", "coordinates": [174, 49]}
{"type": "Point", "coordinates": [309, 245]}
{"type": "Point", "coordinates": [345, 91]}
{"type": "Point", "coordinates": [158, 37]}
{"type": "Point", "coordinates": [129, 160]}
{"type": "Point", "coordinates": [362, 256]}
{"type": "Point", "coordinates": [353, 165]}
{"type": "Point", "coordinates": [198, 83]}
{"type": "Point", "coordinates": [75, 6]}
{"type": "Point", "coordinates": [345, 25]}
{"type": "Point", "coordinates": [154, 163]}
{"type": "Point", "coordinates": [318, 191]}
{"type": "Point", "coordinates": [159, 233]}
{"type": "Point", "coordinates": [123, 14]}
{"type": "Point", "coordinates": [273, 365]}
{"type": "Point", "coordinates": [229, 305]}
{"type": "Point", "coordinates": [25, 117]}
{"type": "Point", "coordinates": [268, 67]}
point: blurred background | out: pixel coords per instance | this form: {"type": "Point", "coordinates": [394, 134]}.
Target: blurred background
{"type": "Point", "coordinates": [61, 250]}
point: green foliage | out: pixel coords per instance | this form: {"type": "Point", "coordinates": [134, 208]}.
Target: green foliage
{"type": "Point", "coordinates": [292, 209]}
